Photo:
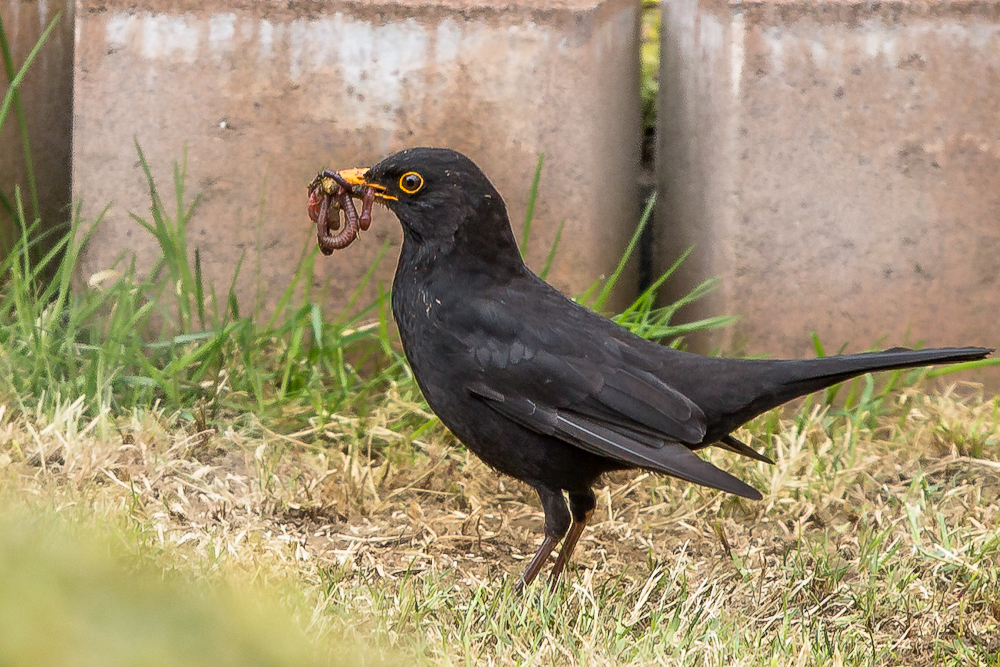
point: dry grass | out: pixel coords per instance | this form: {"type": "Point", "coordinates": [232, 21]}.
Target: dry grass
{"type": "Point", "coordinates": [877, 541]}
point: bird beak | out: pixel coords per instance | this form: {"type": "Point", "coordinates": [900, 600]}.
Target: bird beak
{"type": "Point", "coordinates": [357, 175]}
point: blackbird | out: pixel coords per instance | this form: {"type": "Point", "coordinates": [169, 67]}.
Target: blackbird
{"type": "Point", "coordinates": [547, 391]}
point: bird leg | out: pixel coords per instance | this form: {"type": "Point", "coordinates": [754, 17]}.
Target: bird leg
{"type": "Point", "coordinates": [557, 522]}
{"type": "Point", "coordinates": [568, 546]}
{"type": "Point", "coordinates": [581, 506]}
{"type": "Point", "coordinates": [534, 567]}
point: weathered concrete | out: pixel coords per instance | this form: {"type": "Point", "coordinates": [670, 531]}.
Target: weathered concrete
{"type": "Point", "coordinates": [838, 166]}
{"type": "Point", "coordinates": [264, 94]}
{"type": "Point", "coordinates": [47, 96]}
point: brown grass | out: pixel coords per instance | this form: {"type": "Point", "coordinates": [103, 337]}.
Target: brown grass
{"type": "Point", "coordinates": [874, 544]}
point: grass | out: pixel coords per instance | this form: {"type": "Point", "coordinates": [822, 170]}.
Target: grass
{"type": "Point", "coordinates": [161, 451]}
{"type": "Point", "coordinates": [126, 341]}
{"type": "Point", "coordinates": [263, 453]}
{"type": "Point", "coordinates": [12, 99]}
{"type": "Point", "coordinates": [109, 610]}
{"type": "Point", "coordinates": [874, 544]}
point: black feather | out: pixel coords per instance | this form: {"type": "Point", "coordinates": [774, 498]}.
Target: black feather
{"type": "Point", "coordinates": [548, 391]}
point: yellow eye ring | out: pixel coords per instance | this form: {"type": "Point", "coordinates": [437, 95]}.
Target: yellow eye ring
{"type": "Point", "coordinates": [411, 182]}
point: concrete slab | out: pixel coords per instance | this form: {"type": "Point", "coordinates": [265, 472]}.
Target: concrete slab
{"type": "Point", "coordinates": [264, 94]}
{"type": "Point", "coordinates": [47, 97]}
{"type": "Point", "coordinates": [837, 164]}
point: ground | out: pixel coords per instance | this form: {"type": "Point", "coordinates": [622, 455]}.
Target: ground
{"type": "Point", "coordinates": [877, 540]}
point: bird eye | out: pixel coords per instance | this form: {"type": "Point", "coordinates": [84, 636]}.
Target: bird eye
{"type": "Point", "coordinates": [410, 182]}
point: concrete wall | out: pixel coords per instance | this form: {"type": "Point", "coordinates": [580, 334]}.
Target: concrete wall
{"type": "Point", "coordinates": [47, 97]}
{"type": "Point", "coordinates": [263, 95]}
{"type": "Point", "coordinates": [838, 166]}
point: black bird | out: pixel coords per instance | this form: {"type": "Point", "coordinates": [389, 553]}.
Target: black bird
{"type": "Point", "coordinates": [547, 391]}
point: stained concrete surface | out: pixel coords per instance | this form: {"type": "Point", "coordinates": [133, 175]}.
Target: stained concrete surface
{"type": "Point", "coordinates": [262, 95]}
{"type": "Point", "coordinates": [838, 166]}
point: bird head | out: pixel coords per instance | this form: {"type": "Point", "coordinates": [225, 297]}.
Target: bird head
{"type": "Point", "coordinates": [442, 199]}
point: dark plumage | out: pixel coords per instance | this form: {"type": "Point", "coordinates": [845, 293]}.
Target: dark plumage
{"type": "Point", "coordinates": [547, 391]}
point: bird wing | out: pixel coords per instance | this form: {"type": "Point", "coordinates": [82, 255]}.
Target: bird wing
{"type": "Point", "coordinates": [564, 372]}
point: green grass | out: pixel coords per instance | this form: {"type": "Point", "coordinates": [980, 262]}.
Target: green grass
{"type": "Point", "coordinates": [161, 450]}
{"type": "Point", "coordinates": [227, 449]}
{"type": "Point", "coordinates": [104, 606]}
{"type": "Point", "coordinates": [12, 99]}
{"type": "Point", "coordinates": [128, 341]}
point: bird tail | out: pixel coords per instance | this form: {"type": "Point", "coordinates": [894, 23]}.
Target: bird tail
{"type": "Point", "coordinates": [780, 381]}
{"type": "Point", "coordinates": [809, 375]}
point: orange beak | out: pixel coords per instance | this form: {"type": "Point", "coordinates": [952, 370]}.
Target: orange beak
{"type": "Point", "coordinates": [356, 176]}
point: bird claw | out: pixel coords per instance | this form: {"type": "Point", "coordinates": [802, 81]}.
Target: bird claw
{"type": "Point", "coordinates": [329, 194]}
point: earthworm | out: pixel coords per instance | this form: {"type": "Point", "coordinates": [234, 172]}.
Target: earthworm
{"type": "Point", "coordinates": [324, 202]}
{"type": "Point", "coordinates": [367, 202]}
{"type": "Point", "coordinates": [367, 195]}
